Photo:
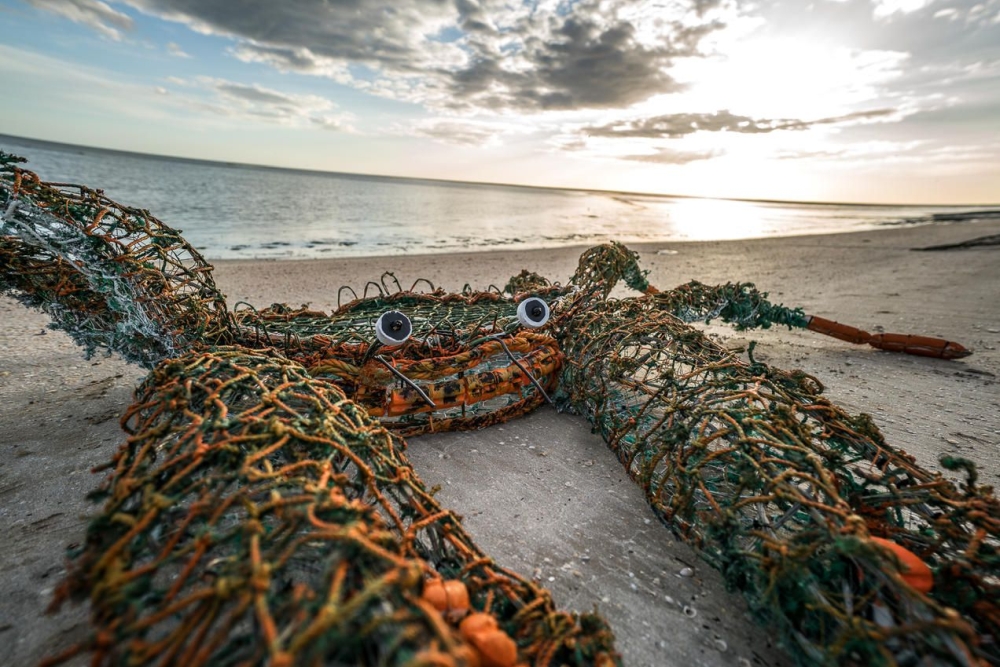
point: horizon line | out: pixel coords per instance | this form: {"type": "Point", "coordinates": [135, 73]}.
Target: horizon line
{"type": "Point", "coordinates": [253, 165]}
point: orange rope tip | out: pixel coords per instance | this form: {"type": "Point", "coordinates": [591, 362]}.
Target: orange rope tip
{"type": "Point", "coordinates": [922, 346]}
{"type": "Point", "coordinates": [837, 330]}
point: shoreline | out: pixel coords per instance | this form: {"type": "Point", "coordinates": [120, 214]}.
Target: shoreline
{"type": "Point", "coordinates": [542, 495]}
{"type": "Point", "coordinates": [58, 145]}
{"type": "Point", "coordinates": [984, 216]}
{"type": "Point", "coordinates": [679, 262]}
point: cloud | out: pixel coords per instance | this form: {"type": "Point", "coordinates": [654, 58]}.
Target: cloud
{"type": "Point", "coordinates": [257, 96]}
{"type": "Point", "coordinates": [94, 91]}
{"type": "Point", "coordinates": [950, 13]}
{"type": "Point", "coordinates": [463, 132]}
{"type": "Point", "coordinates": [654, 150]}
{"type": "Point", "coordinates": [886, 8]}
{"type": "Point", "coordinates": [577, 62]}
{"type": "Point", "coordinates": [672, 156]}
{"type": "Point", "coordinates": [468, 55]}
{"type": "Point", "coordinates": [331, 123]}
{"type": "Point", "coordinates": [175, 50]}
{"type": "Point", "coordinates": [861, 152]}
{"type": "Point", "coordinates": [255, 102]}
{"type": "Point", "coordinates": [288, 59]}
{"type": "Point", "coordinates": [673, 126]}
{"type": "Point", "coordinates": [92, 13]}
{"type": "Point", "coordinates": [208, 102]}
{"type": "Point", "coordinates": [207, 96]}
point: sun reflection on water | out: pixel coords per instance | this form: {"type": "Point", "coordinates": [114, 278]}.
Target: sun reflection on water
{"type": "Point", "coordinates": [718, 219]}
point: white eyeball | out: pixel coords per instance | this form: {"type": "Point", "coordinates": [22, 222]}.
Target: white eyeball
{"type": "Point", "coordinates": [393, 328]}
{"type": "Point", "coordinates": [533, 312]}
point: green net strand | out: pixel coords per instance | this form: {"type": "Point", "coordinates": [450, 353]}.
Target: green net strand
{"type": "Point", "coordinates": [139, 288]}
{"type": "Point", "coordinates": [256, 516]}
{"type": "Point", "coordinates": [739, 304]}
{"type": "Point", "coordinates": [781, 490]}
{"type": "Point", "coordinates": [601, 268]}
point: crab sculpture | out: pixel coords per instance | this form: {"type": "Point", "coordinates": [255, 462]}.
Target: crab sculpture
{"type": "Point", "coordinates": [262, 510]}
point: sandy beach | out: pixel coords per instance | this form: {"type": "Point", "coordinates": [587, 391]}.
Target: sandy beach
{"type": "Point", "coordinates": [542, 495]}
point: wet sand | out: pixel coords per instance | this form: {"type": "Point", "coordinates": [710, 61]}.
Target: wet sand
{"type": "Point", "coordinates": [542, 495]}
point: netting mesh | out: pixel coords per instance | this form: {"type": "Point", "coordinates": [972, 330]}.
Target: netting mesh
{"type": "Point", "coordinates": [256, 515]}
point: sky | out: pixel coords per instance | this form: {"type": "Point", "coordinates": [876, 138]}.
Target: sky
{"type": "Point", "coordinates": [875, 101]}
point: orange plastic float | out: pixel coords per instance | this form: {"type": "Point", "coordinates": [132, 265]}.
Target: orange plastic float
{"type": "Point", "coordinates": [494, 646]}
{"type": "Point", "coordinates": [913, 571]}
{"type": "Point", "coordinates": [450, 597]}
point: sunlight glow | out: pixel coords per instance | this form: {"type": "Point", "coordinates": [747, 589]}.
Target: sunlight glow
{"type": "Point", "coordinates": [786, 78]}
{"type": "Point", "coordinates": [717, 220]}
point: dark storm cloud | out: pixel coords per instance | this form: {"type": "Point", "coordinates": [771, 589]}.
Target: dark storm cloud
{"type": "Point", "coordinates": [352, 30]}
{"type": "Point", "coordinates": [581, 62]}
{"type": "Point", "coordinates": [672, 126]}
{"type": "Point", "coordinates": [462, 53]}
{"type": "Point", "coordinates": [472, 17]}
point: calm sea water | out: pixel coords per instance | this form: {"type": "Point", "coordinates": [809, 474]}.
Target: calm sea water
{"type": "Point", "coordinates": [234, 211]}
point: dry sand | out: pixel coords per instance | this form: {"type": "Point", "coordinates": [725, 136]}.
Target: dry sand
{"type": "Point", "coordinates": [542, 495]}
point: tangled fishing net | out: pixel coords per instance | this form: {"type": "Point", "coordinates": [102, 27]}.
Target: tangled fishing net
{"type": "Point", "coordinates": [782, 491]}
{"type": "Point", "coordinates": [110, 276]}
{"type": "Point", "coordinates": [256, 514]}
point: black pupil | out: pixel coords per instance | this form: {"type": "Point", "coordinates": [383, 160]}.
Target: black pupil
{"type": "Point", "coordinates": [396, 325]}
{"type": "Point", "coordinates": [536, 312]}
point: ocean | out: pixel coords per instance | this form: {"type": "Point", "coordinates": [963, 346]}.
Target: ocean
{"type": "Point", "coordinates": [232, 211]}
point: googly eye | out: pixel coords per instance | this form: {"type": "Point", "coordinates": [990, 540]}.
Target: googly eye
{"type": "Point", "coordinates": [533, 312]}
{"type": "Point", "coordinates": [393, 328]}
